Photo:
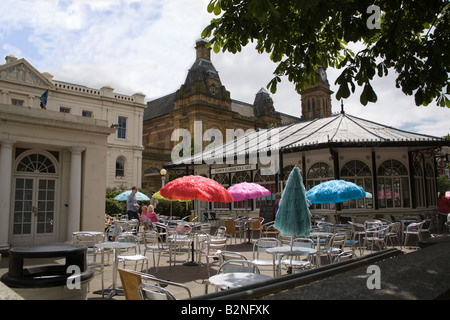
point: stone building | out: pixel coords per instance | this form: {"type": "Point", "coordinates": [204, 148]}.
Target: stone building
{"type": "Point", "coordinates": [204, 106]}
{"type": "Point", "coordinates": [57, 158]}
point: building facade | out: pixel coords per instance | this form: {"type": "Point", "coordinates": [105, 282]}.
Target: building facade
{"type": "Point", "coordinates": [398, 168]}
{"type": "Point", "coordinates": [202, 105]}
{"type": "Point", "coordinates": [57, 158]}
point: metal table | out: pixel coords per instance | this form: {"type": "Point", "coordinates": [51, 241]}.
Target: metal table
{"type": "Point", "coordinates": [116, 246]}
{"type": "Point", "coordinates": [236, 279]}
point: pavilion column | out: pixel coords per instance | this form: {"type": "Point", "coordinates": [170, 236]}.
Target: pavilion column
{"type": "Point", "coordinates": [6, 159]}
{"type": "Point", "coordinates": [74, 212]}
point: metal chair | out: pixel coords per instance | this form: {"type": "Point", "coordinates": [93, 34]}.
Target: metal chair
{"type": "Point", "coordinates": [268, 230]}
{"type": "Point", "coordinates": [259, 247]}
{"type": "Point", "coordinates": [136, 255]}
{"type": "Point", "coordinates": [154, 244]}
{"type": "Point", "coordinates": [131, 280]}
{"type": "Point", "coordinates": [414, 228]}
{"type": "Point", "coordinates": [152, 292]}
{"type": "Point", "coordinates": [392, 232]}
{"type": "Point", "coordinates": [231, 266]}
{"type": "Point", "coordinates": [295, 262]}
{"type": "Point", "coordinates": [256, 225]}
{"type": "Point", "coordinates": [335, 246]}
{"type": "Point", "coordinates": [375, 236]}
{"type": "Point", "coordinates": [232, 230]}
{"type": "Point", "coordinates": [89, 241]}
{"type": "Point", "coordinates": [211, 249]}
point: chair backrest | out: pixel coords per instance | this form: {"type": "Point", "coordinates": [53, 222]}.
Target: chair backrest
{"type": "Point", "coordinates": [124, 224]}
{"type": "Point", "coordinates": [132, 279]}
{"type": "Point", "coordinates": [345, 255]}
{"type": "Point", "coordinates": [258, 221]}
{"type": "Point", "coordinates": [285, 240]}
{"type": "Point", "coordinates": [302, 242]}
{"type": "Point", "coordinates": [262, 244]}
{"type": "Point", "coordinates": [130, 284]}
{"type": "Point", "coordinates": [337, 241]}
{"type": "Point", "coordinates": [205, 228]}
{"type": "Point", "coordinates": [231, 255]}
{"type": "Point", "coordinates": [130, 238]}
{"type": "Point", "coordinates": [221, 232]}
{"type": "Point", "coordinates": [214, 243]}
{"type": "Point", "coordinates": [415, 227]}
{"type": "Point", "coordinates": [394, 228]}
{"type": "Point", "coordinates": [372, 223]}
{"type": "Point", "coordinates": [85, 239]}
{"type": "Point", "coordinates": [152, 239]}
{"type": "Point", "coordinates": [426, 224]}
{"type": "Point", "coordinates": [134, 224]}
{"type": "Point", "coordinates": [230, 225]}
{"type": "Point", "coordinates": [325, 226]}
{"type": "Point", "coordinates": [152, 292]}
{"type": "Point", "coordinates": [231, 266]}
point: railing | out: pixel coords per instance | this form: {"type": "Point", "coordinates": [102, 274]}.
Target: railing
{"type": "Point", "coordinates": [287, 282]}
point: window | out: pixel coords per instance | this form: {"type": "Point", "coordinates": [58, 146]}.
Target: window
{"type": "Point", "coordinates": [122, 131]}
{"type": "Point", "coordinates": [223, 179]}
{"type": "Point", "coordinates": [393, 185]}
{"type": "Point", "coordinates": [431, 185]}
{"type": "Point", "coordinates": [17, 102]}
{"type": "Point", "coordinates": [268, 182]}
{"type": "Point", "coordinates": [120, 168]}
{"type": "Point", "coordinates": [418, 184]}
{"type": "Point", "coordinates": [359, 173]}
{"type": "Point", "coordinates": [64, 109]}
{"type": "Point", "coordinates": [319, 172]}
{"type": "Point", "coordinates": [213, 89]}
{"type": "Point", "coordinates": [87, 114]}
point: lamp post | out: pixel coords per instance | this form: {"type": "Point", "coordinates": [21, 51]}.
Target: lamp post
{"type": "Point", "coordinates": [163, 173]}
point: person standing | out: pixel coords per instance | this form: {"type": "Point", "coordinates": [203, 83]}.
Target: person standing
{"type": "Point", "coordinates": [132, 205]}
{"type": "Point", "coordinates": [443, 210]}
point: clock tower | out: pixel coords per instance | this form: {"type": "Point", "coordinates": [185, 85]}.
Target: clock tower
{"type": "Point", "coordinates": [316, 99]}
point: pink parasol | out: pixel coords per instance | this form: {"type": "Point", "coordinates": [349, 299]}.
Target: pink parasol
{"type": "Point", "coordinates": [195, 188]}
{"type": "Point", "coordinates": [248, 190]}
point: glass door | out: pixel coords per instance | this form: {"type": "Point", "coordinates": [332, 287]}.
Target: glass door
{"type": "Point", "coordinates": [34, 211]}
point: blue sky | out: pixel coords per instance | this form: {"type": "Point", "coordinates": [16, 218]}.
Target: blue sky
{"type": "Point", "coordinates": [147, 46]}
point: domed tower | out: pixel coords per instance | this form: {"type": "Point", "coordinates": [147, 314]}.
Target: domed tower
{"type": "Point", "coordinates": [203, 82]}
{"type": "Point", "coordinates": [316, 99]}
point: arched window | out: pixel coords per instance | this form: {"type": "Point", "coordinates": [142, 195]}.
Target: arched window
{"type": "Point", "coordinates": [120, 168]}
{"type": "Point", "coordinates": [319, 172]}
{"type": "Point", "coordinates": [393, 185]}
{"type": "Point", "coordinates": [358, 172]}
{"type": "Point", "coordinates": [36, 163]}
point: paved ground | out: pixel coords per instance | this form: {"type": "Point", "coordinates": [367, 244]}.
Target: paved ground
{"type": "Point", "coordinates": [193, 276]}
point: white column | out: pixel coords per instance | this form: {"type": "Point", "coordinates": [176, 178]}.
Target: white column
{"type": "Point", "coordinates": [74, 212]}
{"type": "Point", "coordinates": [6, 158]}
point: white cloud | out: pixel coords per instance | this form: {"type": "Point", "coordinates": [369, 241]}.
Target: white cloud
{"type": "Point", "coordinates": [148, 46]}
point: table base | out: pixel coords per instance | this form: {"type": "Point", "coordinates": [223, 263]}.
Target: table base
{"type": "Point", "coordinates": [110, 292]}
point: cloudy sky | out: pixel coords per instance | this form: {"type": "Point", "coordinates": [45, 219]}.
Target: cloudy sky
{"type": "Point", "coordinates": [147, 46]}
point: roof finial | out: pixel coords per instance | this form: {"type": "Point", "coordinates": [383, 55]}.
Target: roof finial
{"type": "Point", "coordinates": [342, 106]}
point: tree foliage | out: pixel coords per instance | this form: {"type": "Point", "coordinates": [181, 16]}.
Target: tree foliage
{"type": "Point", "coordinates": [411, 37]}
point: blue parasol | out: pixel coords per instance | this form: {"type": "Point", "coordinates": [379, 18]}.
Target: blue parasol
{"type": "Point", "coordinates": [139, 196]}
{"type": "Point", "coordinates": [293, 217]}
{"type": "Point", "coordinates": [335, 191]}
